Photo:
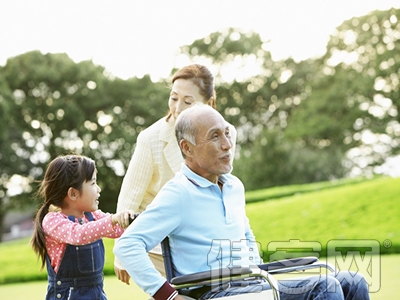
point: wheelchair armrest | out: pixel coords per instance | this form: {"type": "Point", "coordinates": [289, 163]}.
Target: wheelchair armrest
{"type": "Point", "coordinates": [273, 267]}
{"type": "Point", "coordinates": [292, 263]}
{"type": "Point", "coordinates": [210, 275]}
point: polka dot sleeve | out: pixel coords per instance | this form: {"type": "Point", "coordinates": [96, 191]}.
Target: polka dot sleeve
{"type": "Point", "coordinates": [60, 231]}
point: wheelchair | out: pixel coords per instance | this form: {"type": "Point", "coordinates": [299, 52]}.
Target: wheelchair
{"type": "Point", "coordinates": [187, 285]}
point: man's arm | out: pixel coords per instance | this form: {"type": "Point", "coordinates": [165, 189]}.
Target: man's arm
{"type": "Point", "coordinates": [252, 243]}
{"type": "Point", "coordinates": [147, 231]}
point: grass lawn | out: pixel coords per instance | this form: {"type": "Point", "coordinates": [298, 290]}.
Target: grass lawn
{"type": "Point", "coordinates": [361, 210]}
{"type": "Point", "coordinates": [36, 290]}
{"type": "Point", "coordinates": [389, 285]}
{"type": "Point", "coordinates": [367, 210]}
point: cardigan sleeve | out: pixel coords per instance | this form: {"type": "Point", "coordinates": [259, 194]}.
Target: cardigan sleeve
{"type": "Point", "coordinates": [138, 176]}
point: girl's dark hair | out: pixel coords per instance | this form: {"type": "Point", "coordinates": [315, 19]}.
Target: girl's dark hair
{"type": "Point", "coordinates": [200, 76]}
{"type": "Point", "coordinates": [62, 173]}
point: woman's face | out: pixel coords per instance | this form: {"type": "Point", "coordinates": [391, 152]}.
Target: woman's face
{"type": "Point", "coordinates": [183, 94]}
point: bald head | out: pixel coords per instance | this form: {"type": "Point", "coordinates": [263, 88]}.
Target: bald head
{"type": "Point", "coordinates": [191, 119]}
{"type": "Point", "coordinates": [205, 141]}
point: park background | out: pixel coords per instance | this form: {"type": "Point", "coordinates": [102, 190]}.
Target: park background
{"type": "Point", "coordinates": [302, 120]}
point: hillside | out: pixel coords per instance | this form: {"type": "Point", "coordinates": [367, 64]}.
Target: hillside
{"type": "Point", "coordinates": [363, 211]}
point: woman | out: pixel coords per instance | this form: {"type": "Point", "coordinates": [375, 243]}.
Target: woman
{"type": "Point", "coordinates": [157, 156]}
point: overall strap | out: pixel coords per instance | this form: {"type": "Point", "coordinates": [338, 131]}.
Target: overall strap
{"type": "Point", "coordinates": [88, 215]}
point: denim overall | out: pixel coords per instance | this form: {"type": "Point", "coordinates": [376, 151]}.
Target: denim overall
{"type": "Point", "coordinates": [80, 275]}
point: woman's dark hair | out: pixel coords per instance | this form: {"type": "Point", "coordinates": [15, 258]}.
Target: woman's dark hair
{"type": "Point", "coordinates": [203, 78]}
{"type": "Point", "coordinates": [62, 173]}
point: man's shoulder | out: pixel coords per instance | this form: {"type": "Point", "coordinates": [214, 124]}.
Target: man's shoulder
{"type": "Point", "coordinates": [173, 190]}
{"type": "Point", "coordinates": [180, 183]}
{"type": "Point", "coordinates": [179, 179]}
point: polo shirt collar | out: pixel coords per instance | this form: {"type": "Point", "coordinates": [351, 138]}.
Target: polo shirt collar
{"type": "Point", "coordinates": [199, 180]}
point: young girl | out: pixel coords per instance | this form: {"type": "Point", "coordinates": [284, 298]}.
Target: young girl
{"type": "Point", "coordinates": [68, 239]}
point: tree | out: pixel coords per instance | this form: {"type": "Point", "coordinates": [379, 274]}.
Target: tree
{"type": "Point", "coordinates": [260, 106]}
{"type": "Point", "coordinates": [13, 160]}
{"type": "Point", "coordinates": [340, 110]}
{"type": "Point", "coordinates": [355, 101]}
{"type": "Point", "coordinates": [297, 122]}
{"type": "Point", "coordinates": [52, 105]}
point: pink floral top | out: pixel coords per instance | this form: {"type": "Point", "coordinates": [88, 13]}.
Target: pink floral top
{"type": "Point", "coordinates": [60, 231]}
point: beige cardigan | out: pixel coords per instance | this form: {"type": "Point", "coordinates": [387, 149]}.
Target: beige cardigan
{"type": "Point", "coordinates": [156, 159]}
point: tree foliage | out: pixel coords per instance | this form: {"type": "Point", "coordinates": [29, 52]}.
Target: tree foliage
{"type": "Point", "coordinates": [297, 122]}
{"type": "Point", "coordinates": [354, 102]}
{"type": "Point", "coordinates": [320, 118]}
{"type": "Point", "coordinates": [52, 105]}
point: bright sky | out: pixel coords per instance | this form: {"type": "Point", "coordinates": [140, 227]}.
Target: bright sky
{"type": "Point", "coordinates": [132, 38]}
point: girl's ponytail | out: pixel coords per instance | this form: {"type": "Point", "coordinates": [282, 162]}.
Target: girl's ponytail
{"type": "Point", "coordinates": [38, 240]}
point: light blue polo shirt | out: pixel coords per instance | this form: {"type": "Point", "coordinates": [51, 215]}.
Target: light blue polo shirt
{"type": "Point", "coordinates": [208, 228]}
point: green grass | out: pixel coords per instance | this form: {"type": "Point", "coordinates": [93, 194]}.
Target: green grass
{"type": "Point", "coordinates": [361, 210]}
{"type": "Point", "coordinates": [367, 210]}
{"type": "Point", "coordinates": [20, 264]}
{"type": "Point", "coordinates": [290, 190]}
{"type": "Point", "coordinates": [36, 290]}
{"type": "Point", "coordinates": [389, 288]}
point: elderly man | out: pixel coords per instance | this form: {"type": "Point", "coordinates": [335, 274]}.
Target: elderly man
{"type": "Point", "coordinates": [202, 210]}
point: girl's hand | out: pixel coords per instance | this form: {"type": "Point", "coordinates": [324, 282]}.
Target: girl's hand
{"type": "Point", "coordinates": [123, 218]}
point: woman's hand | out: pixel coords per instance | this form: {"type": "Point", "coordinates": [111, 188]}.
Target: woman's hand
{"type": "Point", "coordinates": [122, 275]}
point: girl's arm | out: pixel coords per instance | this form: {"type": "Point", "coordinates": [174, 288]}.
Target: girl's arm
{"type": "Point", "coordinates": [60, 228]}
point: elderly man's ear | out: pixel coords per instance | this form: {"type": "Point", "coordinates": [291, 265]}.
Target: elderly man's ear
{"type": "Point", "coordinates": [186, 147]}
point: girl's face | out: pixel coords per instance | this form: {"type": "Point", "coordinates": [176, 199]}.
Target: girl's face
{"type": "Point", "coordinates": [183, 94]}
{"type": "Point", "coordinates": [89, 195]}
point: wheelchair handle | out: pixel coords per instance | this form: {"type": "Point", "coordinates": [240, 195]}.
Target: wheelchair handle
{"type": "Point", "coordinates": [134, 218]}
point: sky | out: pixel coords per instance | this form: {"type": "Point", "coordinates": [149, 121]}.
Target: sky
{"type": "Point", "coordinates": [133, 38]}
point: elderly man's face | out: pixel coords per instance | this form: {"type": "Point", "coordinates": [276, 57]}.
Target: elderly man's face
{"type": "Point", "coordinates": [211, 156]}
